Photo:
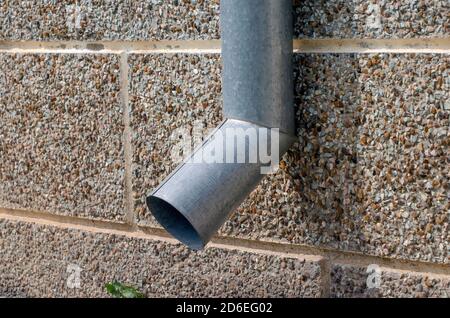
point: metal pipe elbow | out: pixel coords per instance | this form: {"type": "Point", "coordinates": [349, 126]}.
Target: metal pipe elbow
{"type": "Point", "coordinates": [197, 198]}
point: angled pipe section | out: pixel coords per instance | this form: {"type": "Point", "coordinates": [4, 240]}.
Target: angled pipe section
{"type": "Point", "coordinates": [197, 198]}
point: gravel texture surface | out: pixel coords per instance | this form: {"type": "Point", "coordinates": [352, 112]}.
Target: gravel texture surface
{"type": "Point", "coordinates": [371, 169]}
{"type": "Point", "coordinates": [43, 261]}
{"type": "Point", "coordinates": [199, 19]}
{"type": "Point", "coordinates": [361, 282]}
{"type": "Point", "coordinates": [369, 172]}
{"type": "Point", "coordinates": [371, 19]}
{"type": "Point", "coordinates": [61, 135]}
{"type": "Point", "coordinates": [109, 20]}
{"type": "Point", "coordinates": [170, 95]}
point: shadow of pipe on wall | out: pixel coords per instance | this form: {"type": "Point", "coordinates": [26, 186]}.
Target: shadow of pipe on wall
{"type": "Point", "coordinates": [313, 198]}
{"type": "Point", "coordinates": [342, 185]}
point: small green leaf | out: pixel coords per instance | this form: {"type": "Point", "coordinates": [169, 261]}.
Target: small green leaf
{"type": "Point", "coordinates": [118, 290]}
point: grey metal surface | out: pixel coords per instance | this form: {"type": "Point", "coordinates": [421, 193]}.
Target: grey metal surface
{"type": "Point", "coordinates": [197, 198]}
{"type": "Point", "coordinates": [257, 62]}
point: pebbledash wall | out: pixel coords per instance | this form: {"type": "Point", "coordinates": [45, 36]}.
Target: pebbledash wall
{"type": "Point", "coordinates": [92, 91]}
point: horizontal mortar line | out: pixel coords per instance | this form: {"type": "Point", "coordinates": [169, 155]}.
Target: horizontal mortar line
{"type": "Point", "coordinates": [65, 219]}
{"type": "Point", "coordinates": [107, 47]}
{"type": "Point", "coordinates": [340, 257]}
{"type": "Point", "coordinates": [420, 45]}
{"type": "Point", "coordinates": [159, 232]}
{"type": "Point", "coordinates": [122, 229]}
{"type": "Point", "coordinates": [431, 45]}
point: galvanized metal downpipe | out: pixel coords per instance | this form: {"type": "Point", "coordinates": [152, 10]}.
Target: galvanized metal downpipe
{"type": "Point", "coordinates": [197, 198]}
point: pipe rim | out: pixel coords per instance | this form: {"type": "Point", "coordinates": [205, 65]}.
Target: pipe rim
{"type": "Point", "coordinates": [174, 222]}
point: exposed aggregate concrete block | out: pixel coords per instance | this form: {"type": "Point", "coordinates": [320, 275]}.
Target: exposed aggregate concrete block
{"type": "Point", "coordinates": [369, 172]}
{"type": "Point", "coordinates": [61, 135]}
{"type": "Point", "coordinates": [96, 20]}
{"type": "Point", "coordinates": [371, 19]}
{"type": "Point", "coordinates": [362, 282]}
{"type": "Point", "coordinates": [170, 95]}
{"type": "Point", "coordinates": [45, 261]}
{"type": "Point", "coordinates": [109, 20]}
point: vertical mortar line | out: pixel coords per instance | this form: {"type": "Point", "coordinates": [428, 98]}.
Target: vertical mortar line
{"type": "Point", "coordinates": [325, 276]}
{"type": "Point", "coordinates": [128, 152]}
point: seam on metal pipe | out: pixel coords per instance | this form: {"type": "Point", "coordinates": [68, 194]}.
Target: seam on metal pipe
{"type": "Point", "coordinates": [332, 45]}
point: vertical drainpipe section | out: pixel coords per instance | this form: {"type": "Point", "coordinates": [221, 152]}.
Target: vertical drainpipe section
{"type": "Point", "coordinates": [197, 198]}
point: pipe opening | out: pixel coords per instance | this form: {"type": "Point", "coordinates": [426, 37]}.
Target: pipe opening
{"type": "Point", "coordinates": [196, 199]}
{"type": "Point", "coordinates": [175, 222]}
